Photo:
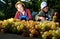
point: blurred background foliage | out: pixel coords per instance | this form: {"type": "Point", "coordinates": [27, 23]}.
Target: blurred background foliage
{"type": "Point", "coordinates": [8, 10]}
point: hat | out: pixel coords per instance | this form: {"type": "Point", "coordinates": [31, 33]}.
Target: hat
{"type": "Point", "coordinates": [19, 3]}
{"type": "Point", "coordinates": [43, 4]}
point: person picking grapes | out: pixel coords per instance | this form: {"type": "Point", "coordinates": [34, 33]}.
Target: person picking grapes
{"type": "Point", "coordinates": [45, 14]}
{"type": "Point", "coordinates": [22, 13]}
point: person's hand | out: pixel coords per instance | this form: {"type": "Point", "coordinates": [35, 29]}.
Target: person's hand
{"type": "Point", "coordinates": [46, 18]}
{"type": "Point", "coordinates": [41, 18]}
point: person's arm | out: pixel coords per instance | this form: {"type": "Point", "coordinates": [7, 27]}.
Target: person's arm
{"type": "Point", "coordinates": [16, 16]}
{"type": "Point", "coordinates": [29, 14]}
{"type": "Point", "coordinates": [39, 16]}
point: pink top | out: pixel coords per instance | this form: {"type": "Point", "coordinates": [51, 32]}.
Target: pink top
{"type": "Point", "coordinates": [17, 15]}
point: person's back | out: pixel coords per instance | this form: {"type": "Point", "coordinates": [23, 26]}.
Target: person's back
{"type": "Point", "coordinates": [33, 14]}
